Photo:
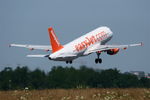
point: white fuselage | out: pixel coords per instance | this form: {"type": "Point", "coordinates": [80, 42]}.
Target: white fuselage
{"type": "Point", "coordinates": [81, 45]}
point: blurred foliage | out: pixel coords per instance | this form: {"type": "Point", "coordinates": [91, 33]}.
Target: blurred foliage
{"type": "Point", "coordinates": [68, 77]}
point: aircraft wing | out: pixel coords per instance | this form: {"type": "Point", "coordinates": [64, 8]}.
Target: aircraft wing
{"type": "Point", "coordinates": [32, 47]}
{"type": "Point", "coordinates": [108, 47]}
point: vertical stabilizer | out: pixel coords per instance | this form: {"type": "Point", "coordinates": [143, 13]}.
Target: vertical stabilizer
{"type": "Point", "coordinates": [54, 40]}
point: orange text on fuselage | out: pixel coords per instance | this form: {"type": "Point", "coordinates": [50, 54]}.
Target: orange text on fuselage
{"type": "Point", "coordinates": [90, 40]}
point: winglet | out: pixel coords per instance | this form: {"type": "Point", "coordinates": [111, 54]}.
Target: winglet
{"type": "Point", "coordinates": [142, 43]}
{"type": "Point", "coordinates": [9, 45]}
{"type": "Point", "coordinates": [54, 40]}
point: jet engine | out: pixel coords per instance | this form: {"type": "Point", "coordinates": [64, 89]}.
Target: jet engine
{"type": "Point", "coordinates": [113, 51]}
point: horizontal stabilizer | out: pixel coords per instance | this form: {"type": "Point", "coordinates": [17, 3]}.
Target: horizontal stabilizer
{"type": "Point", "coordinates": [32, 47]}
{"type": "Point", "coordinates": [46, 55]}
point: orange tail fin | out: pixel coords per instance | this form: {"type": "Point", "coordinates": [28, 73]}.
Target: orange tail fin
{"type": "Point", "coordinates": [54, 40]}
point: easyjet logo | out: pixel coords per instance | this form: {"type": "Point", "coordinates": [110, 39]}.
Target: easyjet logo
{"type": "Point", "coordinates": [91, 40]}
{"type": "Point", "coordinates": [55, 38]}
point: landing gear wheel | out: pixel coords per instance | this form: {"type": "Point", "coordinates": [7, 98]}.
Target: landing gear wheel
{"type": "Point", "coordinates": [70, 62]}
{"type": "Point", "coordinates": [100, 60]}
{"type": "Point", "coordinates": [96, 61]}
{"type": "Point", "coordinates": [67, 62]}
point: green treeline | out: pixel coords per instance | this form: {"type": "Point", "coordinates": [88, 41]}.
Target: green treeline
{"type": "Point", "coordinates": [68, 77]}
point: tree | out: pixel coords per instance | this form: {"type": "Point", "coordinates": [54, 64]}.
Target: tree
{"type": "Point", "coordinates": [145, 82]}
{"type": "Point", "coordinates": [20, 77]}
{"type": "Point", "coordinates": [109, 78]}
{"type": "Point", "coordinates": [6, 78]}
{"type": "Point", "coordinates": [68, 77]}
{"type": "Point", "coordinates": [128, 81]}
{"type": "Point", "coordinates": [38, 79]}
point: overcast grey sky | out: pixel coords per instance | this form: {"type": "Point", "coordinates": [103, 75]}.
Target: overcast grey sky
{"type": "Point", "coordinates": [26, 22]}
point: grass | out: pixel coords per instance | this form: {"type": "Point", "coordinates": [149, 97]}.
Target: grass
{"type": "Point", "coordinates": [77, 94]}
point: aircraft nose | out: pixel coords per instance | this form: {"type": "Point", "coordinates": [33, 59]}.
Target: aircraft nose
{"type": "Point", "coordinates": [110, 32]}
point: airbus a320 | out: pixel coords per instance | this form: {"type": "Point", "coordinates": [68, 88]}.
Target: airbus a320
{"type": "Point", "coordinates": [92, 42]}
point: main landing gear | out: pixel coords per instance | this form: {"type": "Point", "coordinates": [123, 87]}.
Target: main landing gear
{"type": "Point", "coordinates": [69, 62]}
{"type": "Point", "coordinates": [98, 60]}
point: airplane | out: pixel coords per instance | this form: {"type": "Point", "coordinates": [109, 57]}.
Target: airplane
{"type": "Point", "coordinates": [92, 42]}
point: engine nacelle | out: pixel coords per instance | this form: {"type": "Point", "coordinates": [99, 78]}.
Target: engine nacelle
{"type": "Point", "coordinates": [113, 51]}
